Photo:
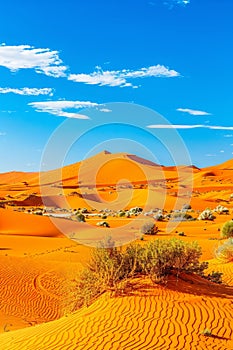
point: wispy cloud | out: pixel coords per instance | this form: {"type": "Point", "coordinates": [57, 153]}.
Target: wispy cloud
{"type": "Point", "coordinates": [41, 60]}
{"type": "Point", "coordinates": [172, 3]}
{"type": "Point", "coordinates": [61, 108]}
{"type": "Point", "coordinates": [173, 126]}
{"type": "Point", "coordinates": [182, 126]}
{"type": "Point", "coordinates": [2, 133]}
{"type": "Point", "coordinates": [182, 2]}
{"type": "Point", "coordinates": [27, 91]}
{"type": "Point", "coordinates": [105, 110]}
{"type": "Point", "coordinates": [192, 111]}
{"type": "Point", "coordinates": [121, 77]}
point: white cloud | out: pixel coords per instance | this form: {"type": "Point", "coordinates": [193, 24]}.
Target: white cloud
{"type": "Point", "coordinates": [2, 133]}
{"type": "Point", "coordinates": [120, 77]}
{"type": "Point", "coordinates": [192, 111]}
{"type": "Point", "coordinates": [222, 151]}
{"type": "Point", "coordinates": [172, 3]}
{"type": "Point", "coordinates": [228, 135]}
{"type": "Point", "coordinates": [181, 126]}
{"type": "Point", "coordinates": [174, 126]}
{"type": "Point", "coordinates": [41, 60]}
{"type": "Point", "coordinates": [59, 108]}
{"type": "Point", "coordinates": [110, 78]}
{"type": "Point", "coordinates": [27, 91]}
{"type": "Point", "coordinates": [210, 155]}
{"type": "Point", "coordinates": [182, 2]}
{"type": "Point", "coordinates": [105, 110]}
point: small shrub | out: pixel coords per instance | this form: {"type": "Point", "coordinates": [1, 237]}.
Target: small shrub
{"type": "Point", "coordinates": [135, 210]}
{"type": "Point", "coordinates": [80, 217]}
{"type": "Point", "coordinates": [181, 234]}
{"type": "Point", "coordinates": [121, 214]}
{"type": "Point", "coordinates": [107, 264]}
{"type": "Point", "coordinates": [103, 224]}
{"type": "Point", "coordinates": [161, 258]}
{"type": "Point", "coordinates": [215, 277]}
{"type": "Point", "coordinates": [225, 251]}
{"type": "Point", "coordinates": [133, 260]}
{"type": "Point", "coordinates": [207, 214]}
{"type": "Point", "coordinates": [158, 217]}
{"type": "Point", "coordinates": [227, 229]}
{"type": "Point", "coordinates": [207, 332]}
{"type": "Point", "coordinates": [221, 210]}
{"type": "Point", "coordinates": [182, 216]}
{"type": "Point", "coordinates": [88, 286]}
{"type": "Point", "coordinates": [104, 216]}
{"type": "Point", "coordinates": [186, 207]}
{"type": "Point", "coordinates": [149, 228]}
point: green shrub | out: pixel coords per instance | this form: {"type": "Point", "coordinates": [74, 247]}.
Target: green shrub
{"type": "Point", "coordinates": [80, 217]}
{"type": "Point", "coordinates": [133, 259]}
{"type": "Point", "coordinates": [107, 263]}
{"type": "Point", "coordinates": [135, 210]}
{"type": "Point", "coordinates": [227, 229]}
{"type": "Point", "coordinates": [161, 258]}
{"type": "Point", "coordinates": [149, 228]}
{"type": "Point", "coordinates": [88, 286]}
{"type": "Point", "coordinates": [181, 234]}
{"type": "Point", "coordinates": [220, 209]}
{"type": "Point", "coordinates": [110, 267]}
{"type": "Point", "coordinates": [103, 224]}
{"type": "Point", "coordinates": [159, 217]}
{"type": "Point", "coordinates": [225, 251]}
{"type": "Point", "coordinates": [181, 216]}
{"type": "Point", "coordinates": [215, 277]}
{"type": "Point", "coordinates": [207, 332]}
{"type": "Point", "coordinates": [207, 214]}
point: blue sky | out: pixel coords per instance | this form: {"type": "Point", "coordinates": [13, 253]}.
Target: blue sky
{"type": "Point", "coordinates": [59, 58]}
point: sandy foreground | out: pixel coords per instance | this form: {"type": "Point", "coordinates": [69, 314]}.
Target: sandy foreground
{"type": "Point", "coordinates": [39, 264]}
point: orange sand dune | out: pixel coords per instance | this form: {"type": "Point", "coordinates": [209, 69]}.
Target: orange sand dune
{"type": "Point", "coordinates": [145, 317]}
{"type": "Point", "coordinates": [25, 297]}
{"type": "Point", "coordinates": [38, 264]}
{"type": "Point", "coordinates": [228, 165]}
{"type": "Point", "coordinates": [109, 170]}
{"type": "Point", "coordinates": [37, 274]}
{"type": "Point", "coordinates": [12, 222]}
{"type": "Point", "coordinates": [225, 268]}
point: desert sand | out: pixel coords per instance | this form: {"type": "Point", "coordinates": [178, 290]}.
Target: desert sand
{"type": "Point", "coordinates": [39, 263]}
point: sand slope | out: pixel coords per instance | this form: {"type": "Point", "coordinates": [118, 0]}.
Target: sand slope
{"type": "Point", "coordinates": [150, 317]}
{"type": "Point", "coordinates": [38, 264]}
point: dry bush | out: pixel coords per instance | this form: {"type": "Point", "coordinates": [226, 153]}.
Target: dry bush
{"type": "Point", "coordinates": [110, 267]}
{"type": "Point", "coordinates": [225, 251]}
{"type": "Point", "coordinates": [227, 229]}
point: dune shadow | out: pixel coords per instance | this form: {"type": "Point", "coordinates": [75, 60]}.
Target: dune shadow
{"type": "Point", "coordinates": [219, 338]}
{"type": "Point", "coordinates": [187, 284]}
{"type": "Point", "coordinates": [197, 285]}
